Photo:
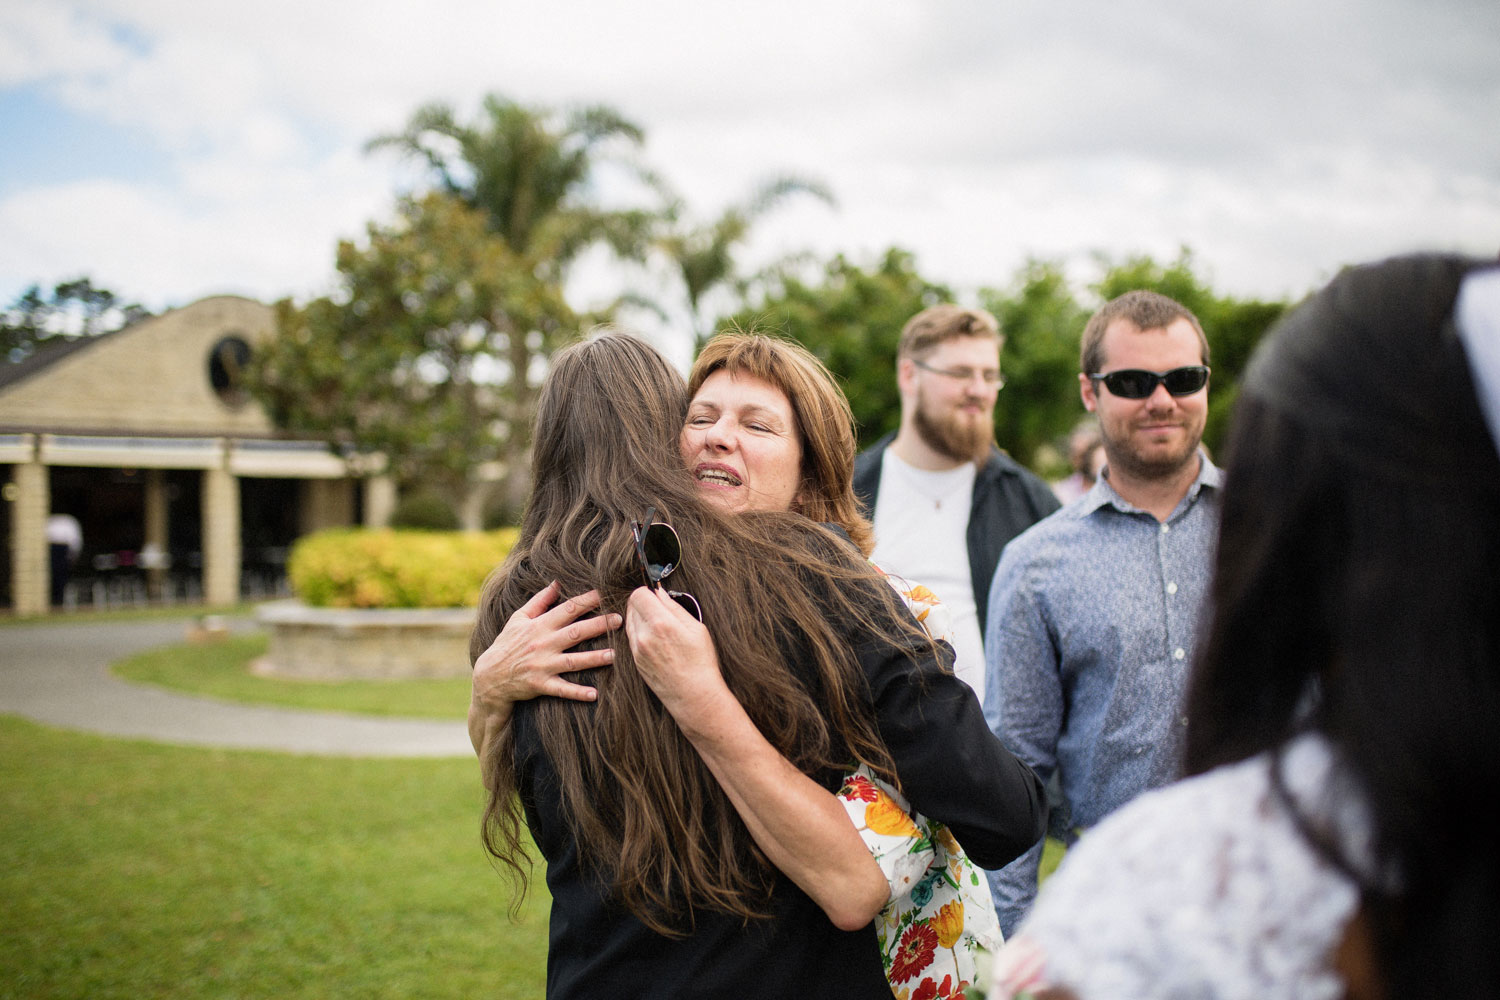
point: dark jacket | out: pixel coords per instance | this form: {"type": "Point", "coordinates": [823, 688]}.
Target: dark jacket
{"type": "Point", "coordinates": [1008, 499]}
{"type": "Point", "coordinates": [951, 766]}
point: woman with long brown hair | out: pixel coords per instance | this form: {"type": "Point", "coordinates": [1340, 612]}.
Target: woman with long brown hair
{"type": "Point", "coordinates": [662, 885]}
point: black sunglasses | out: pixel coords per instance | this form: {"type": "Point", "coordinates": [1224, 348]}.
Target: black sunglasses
{"type": "Point", "coordinates": [660, 552]}
{"type": "Point", "coordinates": [1135, 383]}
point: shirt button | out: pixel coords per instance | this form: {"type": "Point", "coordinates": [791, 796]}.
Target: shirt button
{"type": "Point", "coordinates": [1184, 720]}
{"type": "Point", "coordinates": [1166, 528]}
{"type": "Point", "coordinates": [1178, 653]}
{"type": "Point", "coordinates": [1171, 588]}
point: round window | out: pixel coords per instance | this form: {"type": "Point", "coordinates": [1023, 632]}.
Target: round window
{"type": "Point", "coordinates": [227, 362]}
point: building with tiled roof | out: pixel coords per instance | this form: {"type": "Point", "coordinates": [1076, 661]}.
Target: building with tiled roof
{"type": "Point", "coordinates": [182, 486]}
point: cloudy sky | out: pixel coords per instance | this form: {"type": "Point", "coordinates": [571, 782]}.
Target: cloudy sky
{"type": "Point", "coordinates": [173, 149]}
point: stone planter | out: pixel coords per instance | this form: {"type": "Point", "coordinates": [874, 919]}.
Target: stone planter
{"type": "Point", "coordinates": [365, 644]}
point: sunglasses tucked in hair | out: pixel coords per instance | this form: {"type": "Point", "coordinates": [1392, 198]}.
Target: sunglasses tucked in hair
{"type": "Point", "coordinates": [660, 552]}
{"type": "Point", "coordinates": [1136, 383]}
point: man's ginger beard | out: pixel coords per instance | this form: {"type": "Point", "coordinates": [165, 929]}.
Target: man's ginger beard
{"type": "Point", "coordinates": [960, 436]}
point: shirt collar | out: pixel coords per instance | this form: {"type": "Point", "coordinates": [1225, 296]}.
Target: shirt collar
{"type": "Point", "coordinates": [1102, 494]}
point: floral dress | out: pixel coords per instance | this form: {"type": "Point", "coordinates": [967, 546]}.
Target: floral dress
{"type": "Point", "coordinates": [939, 925]}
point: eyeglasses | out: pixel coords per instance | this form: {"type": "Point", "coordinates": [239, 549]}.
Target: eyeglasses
{"type": "Point", "coordinates": [990, 376]}
{"type": "Point", "coordinates": [1136, 383]}
{"type": "Point", "coordinates": [660, 552]}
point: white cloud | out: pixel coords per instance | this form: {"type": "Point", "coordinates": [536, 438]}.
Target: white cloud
{"type": "Point", "coordinates": [1278, 140]}
{"type": "Point", "coordinates": [238, 230]}
{"type": "Point", "coordinates": [41, 41]}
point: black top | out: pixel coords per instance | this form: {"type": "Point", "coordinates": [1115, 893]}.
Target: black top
{"type": "Point", "coordinates": [1008, 499]}
{"type": "Point", "coordinates": [953, 770]}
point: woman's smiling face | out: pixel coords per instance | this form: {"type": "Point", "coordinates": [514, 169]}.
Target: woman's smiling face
{"type": "Point", "coordinates": [742, 443]}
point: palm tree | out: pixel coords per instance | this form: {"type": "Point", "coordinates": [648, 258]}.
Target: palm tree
{"type": "Point", "coordinates": [704, 256]}
{"type": "Point", "coordinates": [529, 169]}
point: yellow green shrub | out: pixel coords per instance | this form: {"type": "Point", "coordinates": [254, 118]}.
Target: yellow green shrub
{"type": "Point", "coordinates": [360, 568]}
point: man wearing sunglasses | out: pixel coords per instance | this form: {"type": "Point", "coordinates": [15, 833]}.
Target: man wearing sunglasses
{"type": "Point", "coordinates": [944, 500]}
{"type": "Point", "coordinates": [1093, 612]}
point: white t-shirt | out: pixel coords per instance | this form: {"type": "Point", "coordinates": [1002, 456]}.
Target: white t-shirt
{"type": "Point", "coordinates": [63, 529]}
{"type": "Point", "coordinates": [921, 519]}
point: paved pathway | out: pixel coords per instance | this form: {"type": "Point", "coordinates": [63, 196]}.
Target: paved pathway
{"type": "Point", "coordinates": [58, 673]}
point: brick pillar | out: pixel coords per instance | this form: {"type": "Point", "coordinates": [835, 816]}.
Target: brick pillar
{"type": "Point", "coordinates": [380, 501]}
{"type": "Point", "coordinates": [156, 532]}
{"type": "Point", "coordinates": [221, 537]}
{"type": "Point", "coordinates": [31, 571]}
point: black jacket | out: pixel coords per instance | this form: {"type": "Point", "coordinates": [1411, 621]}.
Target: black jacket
{"type": "Point", "coordinates": [1008, 499]}
{"type": "Point", "coordinates": [952, 768]}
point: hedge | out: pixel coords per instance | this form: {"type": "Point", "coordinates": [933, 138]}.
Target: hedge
{"type": "Point", "coordinates": [361, 568]}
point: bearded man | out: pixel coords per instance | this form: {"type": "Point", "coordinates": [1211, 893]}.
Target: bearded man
{"type": "Point", "coordinates": [943, 498]}
{"type": "Point", "coordinates": [1094, 612]}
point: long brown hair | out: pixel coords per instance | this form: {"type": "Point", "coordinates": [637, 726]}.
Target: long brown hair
{"type": "Point", "coordinates": [782, 597]}
{"type": "Point", "coordinates": [1355, 594]}
{"type": "Point", "coordinates": [824, 421]}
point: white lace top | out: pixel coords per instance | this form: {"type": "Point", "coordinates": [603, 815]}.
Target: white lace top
{"type": "Point", "coordinates": [1202, 889]}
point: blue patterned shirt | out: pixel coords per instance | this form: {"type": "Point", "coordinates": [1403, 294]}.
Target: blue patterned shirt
{"type": "Point", "coordinates": [1093, 614]}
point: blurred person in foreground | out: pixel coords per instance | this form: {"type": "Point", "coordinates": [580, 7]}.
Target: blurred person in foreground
{"type": "Point", "coordinates": [1344, 706]}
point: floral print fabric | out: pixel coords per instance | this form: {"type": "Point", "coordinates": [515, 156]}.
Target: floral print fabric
{"type": "Point", "coordinates": [925, 606]}
{"type": "Point", "coordinates": [940, 920]}
{"type": "Point", "coordinates": [940, 914]}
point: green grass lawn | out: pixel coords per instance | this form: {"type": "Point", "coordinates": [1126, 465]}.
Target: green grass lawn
{"type": "Point", "coordinates": [135, 870]}
{"type": "Point", "coordinates": [132, 870]}
{"type": "Point", "coordinates": [221, 670]}
{"type": "Point", "coordinates": [1052, 855]}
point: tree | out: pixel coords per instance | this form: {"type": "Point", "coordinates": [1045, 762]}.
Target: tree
{"type": "Point", "coordinates": [531, 171]}
{"type": "Point", "coordinates": [75, 309]}
{"type": "Point", "coordinates": [704, 255]}
{"type": "Point", "coordinates": [431, 353]}
{"type": "Point", "coordinates": [852, 321]}
{"type": "Point", "coordinates": [1042, 322]}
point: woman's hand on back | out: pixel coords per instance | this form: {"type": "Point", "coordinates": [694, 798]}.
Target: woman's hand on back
{"type": "Point", "coordinates": [530, 655]}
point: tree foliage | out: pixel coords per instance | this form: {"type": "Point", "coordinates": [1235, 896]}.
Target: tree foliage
{"type": "Point", "coordinates": [432, 349]}
{"type": "Point", "coordinates": [431, 353]}
{"type": "Point", "coordinates": [532, 172]}
{"type": "Point", "coordinates": [75, 308]}
{"type": "Point", "coordinates": [852, 321]}
{"type": "Point", "coordinates": [704, 255]}
{"type": "Point", "coordinates": [1042, 322]}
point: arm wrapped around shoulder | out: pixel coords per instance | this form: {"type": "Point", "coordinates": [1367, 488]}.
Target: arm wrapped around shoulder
{"type": "Point", "coordinates": [944, 757]}
{"type": "Point", "coordinates": [952, 768]}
